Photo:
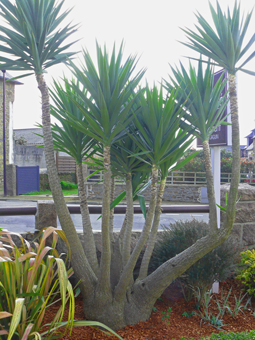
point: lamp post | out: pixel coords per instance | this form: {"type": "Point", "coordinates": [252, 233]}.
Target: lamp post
{"type": "Point", "coordinates": [4, 154]}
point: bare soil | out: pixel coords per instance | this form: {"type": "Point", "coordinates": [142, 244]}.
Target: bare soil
{"type": "Point", "coordinates": [159, 327]}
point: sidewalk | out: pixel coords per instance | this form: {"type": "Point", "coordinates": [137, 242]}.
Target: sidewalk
{"type": "Point", "coordinates": [73, 199]}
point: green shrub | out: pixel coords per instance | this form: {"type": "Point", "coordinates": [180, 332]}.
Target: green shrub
{"type": "Point", "coordinates": [216, 265]}
{"type": "Point", "coordinates": [247, 273]}
{"type": "Point", "coordinates": [234, 336]}
{"type": "Point", "coordinates": [68, 185]}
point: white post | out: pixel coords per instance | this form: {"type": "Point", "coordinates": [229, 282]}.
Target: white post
{"type": "Point", "coordinates": [215, 157]}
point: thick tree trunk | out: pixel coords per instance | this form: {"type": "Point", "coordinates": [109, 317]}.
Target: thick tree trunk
{"type": "Point", "coordinates": [90, 247]}
{"type": "Point", "coordinates": [78, 258]}
{"type": "Point", "coordinates": [235, 173]}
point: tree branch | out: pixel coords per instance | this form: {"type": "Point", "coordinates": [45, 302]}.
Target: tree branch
{"type": "Point", "coordinates": [153, 234]}
{"type": "Point", "coordinates": [120, 290]}
{"type": "Point", "coordinates": [79, 260]}
{"type": "Point", "coordinates": [89, 244]}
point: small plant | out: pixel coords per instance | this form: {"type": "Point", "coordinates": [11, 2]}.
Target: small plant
{"type": "Point", "coordinates": [21, 141]}
{"type": "Point", "coordinates": [188, 315]}
{"type": "Point", "coordinates": [166, 315]}
{"type": "Point", "coordinates": [215, 321]}
{"type": "Point", "coordinates": [206, 315]}
{"type": "Point", "coordinates": [247, 273]}
{"type": "Point", "coordinates": [238, 307]}
{"type": "Point", "coordinates": [222, 308]}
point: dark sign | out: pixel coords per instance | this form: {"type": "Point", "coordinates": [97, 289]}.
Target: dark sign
{"type": "Point", "coordinates": [219, 137]}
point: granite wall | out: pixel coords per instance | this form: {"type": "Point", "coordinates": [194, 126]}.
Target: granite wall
{"type": "Point", "coordinates": [173, 193]}
{"type": "Point", "coordinates": [243, 232]}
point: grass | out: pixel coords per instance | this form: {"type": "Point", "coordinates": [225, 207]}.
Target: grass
{"type": "Point", "coordinates": [228, 336]}
{"type": "Point", "coordinates": [48, 192]}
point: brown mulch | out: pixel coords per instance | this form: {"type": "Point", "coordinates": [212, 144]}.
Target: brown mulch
{"type": "Point", "coordinates": [177, 325]}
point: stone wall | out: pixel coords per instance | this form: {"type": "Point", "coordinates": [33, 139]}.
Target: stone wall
{"type": "Point", "coordinates": [174, 193]}
{"type": "Point", "coordinates": [243, 232]}
{"type": "Point", "coordinates": [28, 155]}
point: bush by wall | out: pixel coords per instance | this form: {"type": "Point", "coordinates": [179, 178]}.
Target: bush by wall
{"type": "Point", "coordinates": [216, 265]}
{"type": "Point", "coordinates": [67, 177]}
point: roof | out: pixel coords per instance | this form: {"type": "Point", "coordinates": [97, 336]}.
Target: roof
{"type": "Point", "coordinates": [9, 76]}
{"type": "Point", "coordinates": [29, 135]}
{"type": "Point", "coordinates": [252, 134]}
{"type": "Point", "coordinates": [250, 147]}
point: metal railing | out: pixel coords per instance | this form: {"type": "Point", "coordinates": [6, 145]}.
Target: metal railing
{"type": "Point", "coordinates": [187, 177]}
{"type": "Point", "coordinates": [97, 209]}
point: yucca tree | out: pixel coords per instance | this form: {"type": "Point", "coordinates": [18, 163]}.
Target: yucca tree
{"type": "Point", "coordinates": [135, 171]}
{"type": "Point", "coordinates": [158, 135]}
{"type": "Point", "coordinates": [224, 45]}
{"type": "Point", "coordinates": [79, 146]}
{"type": "Point", "coordinates": [33, 40]}
{"type": "Point", "coordinates": [205, 107]}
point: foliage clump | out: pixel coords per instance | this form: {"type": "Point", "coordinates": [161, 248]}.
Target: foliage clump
{"type": "Point", "coordinates": [216, 265]}
{"type": "Point", "coordinates": [68, 185]}
{"type": "Point", "coordinates": [247, 273]}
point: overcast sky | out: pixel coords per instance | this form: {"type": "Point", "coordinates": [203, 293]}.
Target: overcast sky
{"type": "Point", "coordinates": [150, 29]}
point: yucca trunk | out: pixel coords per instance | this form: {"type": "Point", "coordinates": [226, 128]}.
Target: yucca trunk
{"type": "Point", "coordinates": [235, 172]}
{"type": "Point", "coordinates": [153, 235]}
{"type": "Point", "coordinates": [129, 224]}
{"type": "Point", "coordinates": [78, 259]}
{"type": "Point", "coordinates": [127, 273]}
{"type": "Point", "coordinates": [210, 187]}
{"type": "Point", "coordinates": [89, 245]}
{"type": "Point", "coordinates": [104, 286]}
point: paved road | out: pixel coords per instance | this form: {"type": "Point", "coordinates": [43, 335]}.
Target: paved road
{"type": "Point", "coordinates": [27, 223]}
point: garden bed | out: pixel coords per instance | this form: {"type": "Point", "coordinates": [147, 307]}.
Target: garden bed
{"type": "Point", "coordinates": [159, 326]}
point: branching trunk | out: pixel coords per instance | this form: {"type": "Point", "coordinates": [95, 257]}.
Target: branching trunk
{"type": "Point", "coordinates": [130, 218]}
{"type": "Point", "coordinates": [153, 235]}
{"type": "Point", "coordinates": [112, 210]}
{"type": "Point", "coordinates": [121, 288]}
{"type": "Point", "coordinates": [210, 187]}
{"type": "Point", "coordinates": [104, 286]}
{"type": "Point", "coordinates": [79, 260]}
{"type": "Point", "coordinates": [90, 247]}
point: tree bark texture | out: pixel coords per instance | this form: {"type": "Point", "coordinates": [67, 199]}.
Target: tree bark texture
{"type": "Point", "coordinates": [130, 218]}
{"type": "Point", "coordinates": [78, 258]}
{"type": "Point", "coordinates": [90, 247]}
{"type": "Point", "coordinates": [153, 234]}
{"type": "Point", "coordinates": [120, 290]}
{"type": "Point", "coordinates": [210, 186]}
{"type": "Point", "coordinates": [235, 173]}
{"type": "Point", "coordinates": [104, 285]}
